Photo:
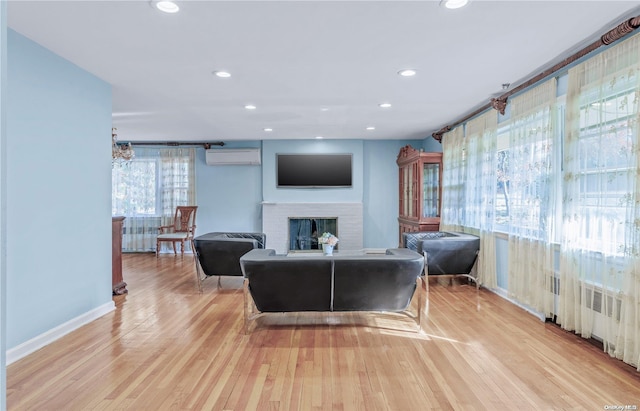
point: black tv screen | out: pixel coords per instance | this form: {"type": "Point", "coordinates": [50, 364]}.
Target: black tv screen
{"type": "Point", "coordinates": [313, 170]}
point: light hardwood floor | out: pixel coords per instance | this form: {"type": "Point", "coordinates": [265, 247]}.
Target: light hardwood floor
{"type": "Point", "coordinates": [167, 347]}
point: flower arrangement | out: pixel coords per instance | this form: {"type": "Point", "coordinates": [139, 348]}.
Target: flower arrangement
{"type": "Point", "coordinates": [328, 239]}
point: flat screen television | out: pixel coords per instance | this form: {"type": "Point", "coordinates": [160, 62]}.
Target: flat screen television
{"type": "Point", "coordinates": [313, 170]}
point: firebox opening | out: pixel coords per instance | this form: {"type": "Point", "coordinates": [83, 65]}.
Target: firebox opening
{"type": "Point", "coordinates": [304, 232]}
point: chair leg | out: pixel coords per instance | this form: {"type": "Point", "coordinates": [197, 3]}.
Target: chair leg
{"type": "Point", "coordinates": [182, 248]}
{"type": "Point", "coordinates": [174, 248]}
{"type": "Point", "coordinates": [157, 248]}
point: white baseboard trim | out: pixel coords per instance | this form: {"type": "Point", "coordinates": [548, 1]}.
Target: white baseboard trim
{"type": "Point", "coordinates": [503, 293]}
{"type": "Point", "coordinates": [34, 344]}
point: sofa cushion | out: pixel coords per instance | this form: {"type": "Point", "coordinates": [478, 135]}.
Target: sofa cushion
{"type": "Point", "coordinates": [261, 238]}
{"type": "Point", "coordinates": [410, 240]}
{"type": "Point", "coordinates": [279, 283]}
{"type": "Point", "coordinates": [376, 282]}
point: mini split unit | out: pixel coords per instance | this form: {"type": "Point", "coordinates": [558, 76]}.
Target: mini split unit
{"type": "Point", "coordinates": [233, 156]}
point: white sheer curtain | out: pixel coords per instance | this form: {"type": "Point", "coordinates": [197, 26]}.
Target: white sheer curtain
{"type": "Point", "coordinates": [600, 247]}
{"type": "Point", "coordinates": [530, 170]}
{"type": "Point", "coordinates": [481, 143]}
{"type": "Point", "coordinates": [470, 207]}
{"type": "Point", "coordinates": [147, 190]}
{"type": "Point", "coordinates": [454, 173]}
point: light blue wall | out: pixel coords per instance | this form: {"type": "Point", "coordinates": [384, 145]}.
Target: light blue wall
{"type": "Point", "coordinates": [430, 144]}
{"type": "Point", "coordinates": [58, 188]}
{"type": "Point", "coordinates": [228, 197]}
{"type": "Point", "coordinates": [381, 201]}
{"type": "Point", "coordinates": [375, 182]}
{"type": "Point", "coordinates": [502, 263]}
{"type": "Point", "coordinates": [3, 209]}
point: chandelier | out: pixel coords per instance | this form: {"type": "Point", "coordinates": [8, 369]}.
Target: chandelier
{"type": "Point", "coordinates": [120, 152]}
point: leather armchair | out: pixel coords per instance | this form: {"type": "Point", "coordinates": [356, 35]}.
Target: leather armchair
{"type": "Point", "coordinates": [218, 254]}
{"type": "Point", "coordinates": [446, 253]}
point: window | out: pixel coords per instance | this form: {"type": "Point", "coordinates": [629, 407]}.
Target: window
{"type": "Point", "coordinates": [527, 176]}
{"type": "Point", "coordinates": [135, 188]}
{"type": "Point", "coordinates": [147, 190]}
{"type": "Point", "coordinates": [152, 185]}
{"type": "Point", "coordinates": [502, 183]}
{"type": "Point", "coordinates": [605, 173]}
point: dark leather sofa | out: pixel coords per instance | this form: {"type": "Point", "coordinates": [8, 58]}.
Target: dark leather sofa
{"type": "Point", "coordinates": [446, 253]}
{"type": "Point", "coordinates": [218, 253]}
{"type": "Point", "coordinates": [367, 282]}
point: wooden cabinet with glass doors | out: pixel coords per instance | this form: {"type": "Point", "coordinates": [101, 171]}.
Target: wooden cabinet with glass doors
{"type": "Point", "coordinates": [420, 185]}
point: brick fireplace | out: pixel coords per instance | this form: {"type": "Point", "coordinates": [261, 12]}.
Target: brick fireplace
{"type": "Point", "coordinates": [275, 222]}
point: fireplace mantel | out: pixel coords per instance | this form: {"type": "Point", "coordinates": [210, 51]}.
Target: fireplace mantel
{"type": "Point", "coordinates": [275, 222]}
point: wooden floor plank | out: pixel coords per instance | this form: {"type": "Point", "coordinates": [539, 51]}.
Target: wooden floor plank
{"type": "Point", "coordinates": [167, 346]}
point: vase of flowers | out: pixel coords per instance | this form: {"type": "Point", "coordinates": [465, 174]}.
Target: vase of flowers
{"type": "Point", "coordinates": [328, 241]}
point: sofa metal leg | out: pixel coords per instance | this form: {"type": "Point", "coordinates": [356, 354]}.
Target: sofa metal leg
{"type": "Point", "coordinates": [247, 306]}
{"type": "Point", "coordinates": [423, 301]}
{"type": "Point", "coordinates": [197, 263]}
{"type": "Point", "coordinates": [424, 292]}
{"type": "Point", "coordinates": [251, 312]}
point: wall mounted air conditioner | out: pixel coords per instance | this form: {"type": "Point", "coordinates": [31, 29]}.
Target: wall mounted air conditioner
{"type": "Point", "coordinates": [233, 156]}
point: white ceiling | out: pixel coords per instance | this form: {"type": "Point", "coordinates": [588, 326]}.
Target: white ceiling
{"type": "Point", "coordinates": [292, 59]}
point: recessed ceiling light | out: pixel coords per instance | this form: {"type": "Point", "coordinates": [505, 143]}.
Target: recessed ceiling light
{"type": "Point", "coordinates": [250, 107]}
{"type": "Point", "coordinates": [407, 73]}
{"type": "Point", "coordinates": [167, 6]}
{"type": "Point", "coordinates": [319, 137]}
{"type": "Point", "coordinates": [454, 4]}
{"type": "Point", "coordinates": [268, 130]}
{"type": "Point", "coordinates": [371, 128]}
{"type": "Point", "coordinates": [222, 74]}
{"type": "Point", "coordinates": [324, 109]}
{"type": "Point", "coordinates": [384, 105]}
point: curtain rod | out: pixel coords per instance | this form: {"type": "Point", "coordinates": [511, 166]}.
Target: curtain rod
{"type": "Point", "coordinates": [204, 144]}
{"type": "Point", "coordinates": [500, 103]}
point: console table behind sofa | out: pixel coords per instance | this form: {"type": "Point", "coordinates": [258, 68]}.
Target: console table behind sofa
{"type": "Point", "coordinates": [368, 282]}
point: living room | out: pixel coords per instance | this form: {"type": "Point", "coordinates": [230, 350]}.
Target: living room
{"type": "Point", "coordinates": [57, 187]}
